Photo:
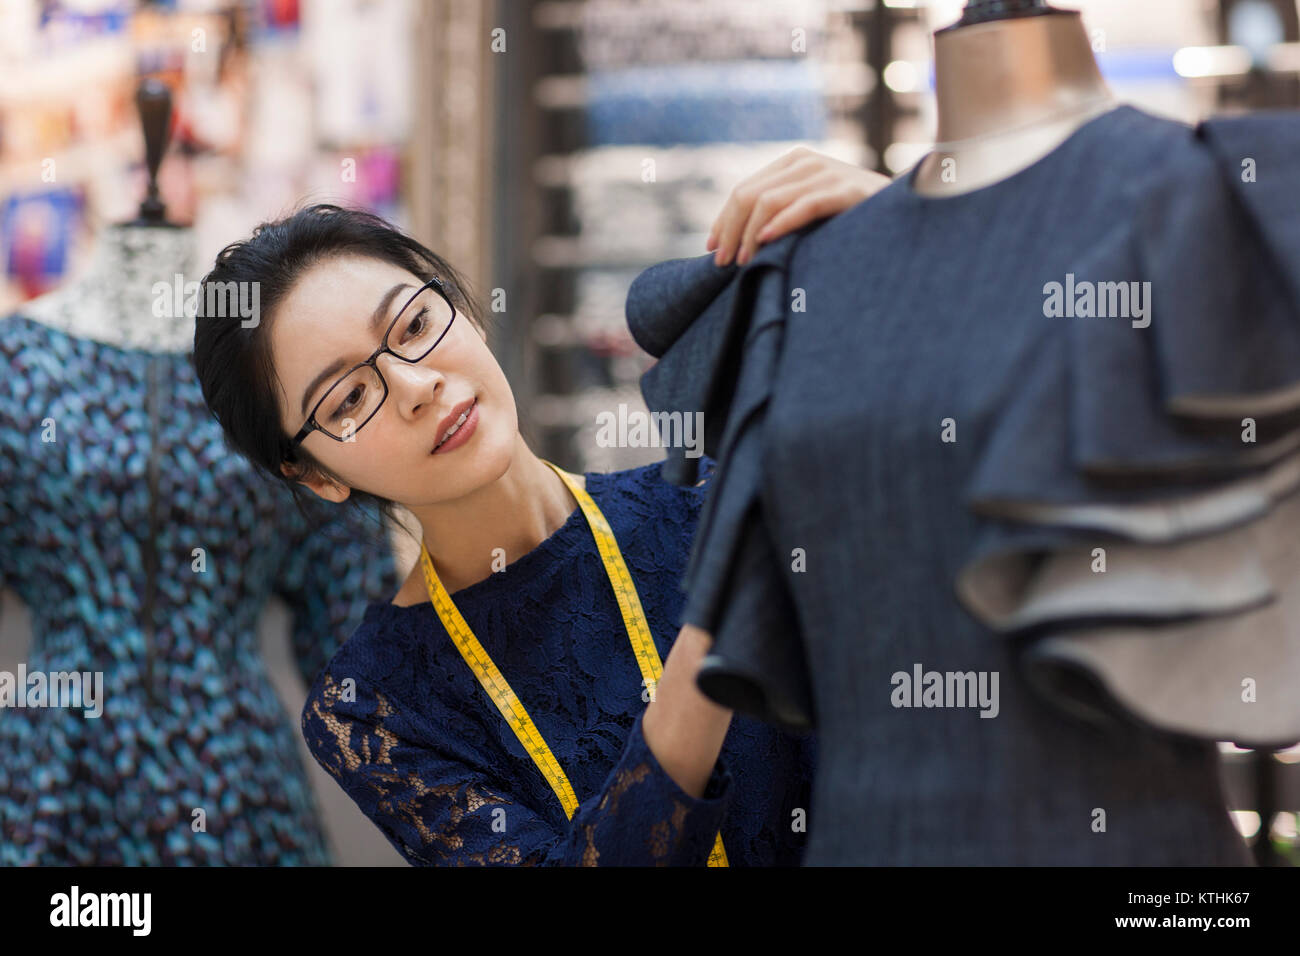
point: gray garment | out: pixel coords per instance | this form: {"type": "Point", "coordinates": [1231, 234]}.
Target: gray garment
{"type": "Point", "coordinates": [847, 545]}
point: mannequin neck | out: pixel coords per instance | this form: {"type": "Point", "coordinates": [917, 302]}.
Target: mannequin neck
{"type": "Point", "coordinates": [1008, 92]}
{"type": "Point", "coordinates": [118, 299]}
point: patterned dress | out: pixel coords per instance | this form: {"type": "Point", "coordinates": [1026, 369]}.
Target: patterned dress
{"type": "Point", "coordinates": [146, 550]}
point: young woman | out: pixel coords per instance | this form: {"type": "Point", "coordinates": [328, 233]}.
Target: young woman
{"type": "Point", "coordinates": [507, 706]}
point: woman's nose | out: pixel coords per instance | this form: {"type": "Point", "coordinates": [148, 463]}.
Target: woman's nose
{"type": "Point", "coordinates": [412, 386]}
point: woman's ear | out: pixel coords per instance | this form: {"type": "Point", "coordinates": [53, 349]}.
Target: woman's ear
{"type": "Point", "coordinates": [323, 487]}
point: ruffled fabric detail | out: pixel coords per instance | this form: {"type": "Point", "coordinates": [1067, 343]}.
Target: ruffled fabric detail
{"type": "Point", "coordinates": [1174, 458]}
{"type": "Point", "coordinates": [725, 329]}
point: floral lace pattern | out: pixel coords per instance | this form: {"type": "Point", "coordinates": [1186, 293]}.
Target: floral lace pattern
{"type": "Point", "coordinates": [402, 724]}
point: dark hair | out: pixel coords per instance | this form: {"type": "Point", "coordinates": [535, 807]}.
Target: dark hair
{"type": "Point", "coordinates": [233, 363]}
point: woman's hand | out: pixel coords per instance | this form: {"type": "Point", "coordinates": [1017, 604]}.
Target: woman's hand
{"type": "Point", "coordinates": [784, 195]}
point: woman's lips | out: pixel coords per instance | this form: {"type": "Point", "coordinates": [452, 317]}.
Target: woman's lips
{"type": "Point", "coordinates": [463, 434]}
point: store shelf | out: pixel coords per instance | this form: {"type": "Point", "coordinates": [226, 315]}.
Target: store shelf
{"type": "Point", "coordinates": [648, 118]}
{"type": "Point", "coordinates": [606, 333]}
{"type": "Point", "coordinates": [838, 81]}
{"type": "Point", "coordinates": [569, 14]}
{"type": "Point", "coordinates": [573, 252]}
{"type": "Point", "coordinates": [725, 161]}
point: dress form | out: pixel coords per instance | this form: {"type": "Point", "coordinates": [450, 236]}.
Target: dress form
{"type": "Point", "coordinates": [1128, 196]}
{"type": "Point", "coordinates": [145, 553]}
{"type": "Point", "coordinates": [1010, 87]}
{"type": "Point", "coordinates": [117, 301]}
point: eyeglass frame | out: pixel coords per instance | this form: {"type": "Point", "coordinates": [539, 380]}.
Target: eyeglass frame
{"type": "Point", "coordinates": [313, 425]}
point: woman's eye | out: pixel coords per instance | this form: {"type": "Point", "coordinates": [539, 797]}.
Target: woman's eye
{"type": "Point", "coordinates": [418, 323]}
{"type": "Point", "coordinates": [348, 403]}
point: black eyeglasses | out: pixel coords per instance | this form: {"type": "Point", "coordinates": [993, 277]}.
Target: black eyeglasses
{"type": "Point", "coordinates": [360, 392]}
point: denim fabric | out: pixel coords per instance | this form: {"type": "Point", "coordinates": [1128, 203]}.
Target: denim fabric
{"type": "Point", "coordinates": [915, 455]}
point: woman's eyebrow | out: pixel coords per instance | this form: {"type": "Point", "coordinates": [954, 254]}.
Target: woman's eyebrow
{"type": "Point", "coordinates": [377, 320]}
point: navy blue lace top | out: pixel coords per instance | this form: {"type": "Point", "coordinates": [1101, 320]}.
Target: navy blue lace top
{"type": "Point", "coordinates": [402, 723]}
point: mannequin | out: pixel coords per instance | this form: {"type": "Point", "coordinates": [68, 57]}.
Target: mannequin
{"type": "Point", "coordinates": [935, 518]}
{"type": "Point", "coordinates": [119, 280]}
{"type": "Point", "coordinates": [1012, 81]}
{"type": "Point", "coordinates": [126, 260]}
{"type": "Point", "coordinates": [146, 552]}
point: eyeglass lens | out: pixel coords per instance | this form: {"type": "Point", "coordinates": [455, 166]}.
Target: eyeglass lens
{"type": "Point", "coordinates": [356, 397]}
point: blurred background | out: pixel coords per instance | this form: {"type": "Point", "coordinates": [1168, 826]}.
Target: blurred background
{"type": "Point", "coordinates": [551, 150]}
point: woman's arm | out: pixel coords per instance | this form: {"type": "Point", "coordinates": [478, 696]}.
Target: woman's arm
{"type": "Point", "coordinates": [442, 801]}
{"type": "Point", "coordinates": [683, 728]}
{"type": "Point", "coordinates": [786, 195]}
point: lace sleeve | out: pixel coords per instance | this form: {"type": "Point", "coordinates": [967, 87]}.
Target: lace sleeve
{"type": "Point", "coordinates": [707, 468]}
{"type": "Point", "coordinates": [437, 810]}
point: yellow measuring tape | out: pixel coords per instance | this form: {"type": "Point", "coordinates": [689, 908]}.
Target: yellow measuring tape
{"type": "Point", "coordinates": [512, 709]}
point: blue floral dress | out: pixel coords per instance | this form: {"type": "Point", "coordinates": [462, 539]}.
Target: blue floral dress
{"type": "Point", "coordinates": [146, 550]}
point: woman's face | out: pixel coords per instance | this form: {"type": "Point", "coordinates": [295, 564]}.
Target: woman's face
{"type": "Point", "coordinates": [325, 319]}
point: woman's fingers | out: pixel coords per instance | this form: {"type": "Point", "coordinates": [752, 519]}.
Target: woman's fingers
{"type": "Point", "coordinates": [763, 217]}
{"type": "Point", "coordinates": [728, 227]}
{"type": "Point", "coordinates": [784, 195]}
{"type": "Point", "coordinates": [805, 210]}
{"type": "Point", "coordinates": [836, 187]}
